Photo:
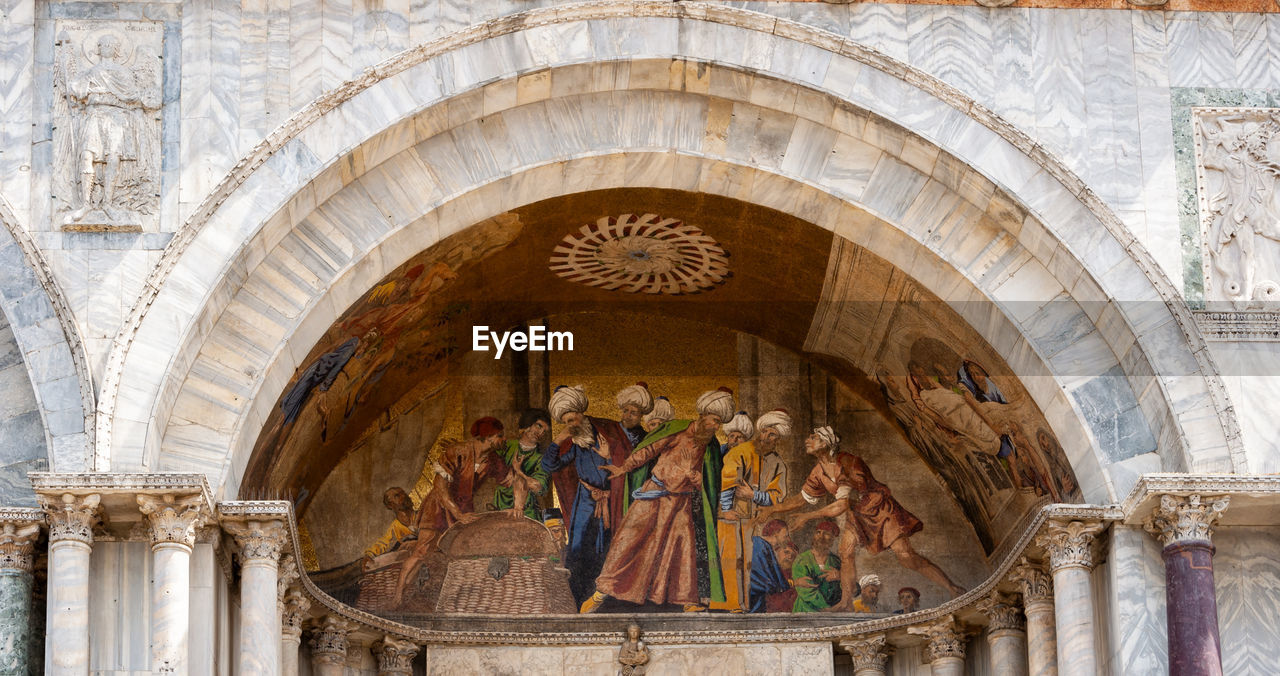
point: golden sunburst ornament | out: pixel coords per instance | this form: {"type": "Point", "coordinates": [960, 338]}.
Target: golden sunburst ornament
{"type": "Point", "coordinates": [641, 254]}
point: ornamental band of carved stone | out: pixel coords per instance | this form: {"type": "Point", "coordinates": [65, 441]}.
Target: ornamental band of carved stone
{"type": "Point", "coordinates": [1190, 519]}
{"type": "Point", "coordinates": [869, 653]}
{"type": "Point", "coordinates": [258, 540]}
{"type": "Point", "coordinates": [171, 518]}
{"type": "Point", "coordinates": [395, 656]}
{"type": "Point", "coordinates": [1004, 612]}
{"type": "Point", "coordinates": [946, 638]}
{"type": "Point", "coordinates": [71, 517]}
{"type": "Point", "coordinates": [329, 640]}
{"type": "Point", "coordinates": [17, 545]}
{"type": "Point", "coordinates": [1070, 543]}
{"type": "Point", "coordinates": [1034, 581]}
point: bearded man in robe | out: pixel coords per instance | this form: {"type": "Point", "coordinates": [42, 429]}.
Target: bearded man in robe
{"type": "Point", "coordinates": [664, 551]}
{"type": "Point", "coordinates": [745, 485]}
{"type": "Point", "coordinates": [590, 498]}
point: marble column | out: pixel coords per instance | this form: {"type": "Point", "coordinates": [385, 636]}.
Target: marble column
{"type": "Point", "coordinates": [329, 646]}
{"type": "Point", "coordinates": [293, 612]}
{"type": "Point", "coordinates": [1184, 526]}
{"type": "Point", "coordinates": [71, 520]}
{"type": "Point", "coordinates": [869, 653]}
{"type": "Point", "coordinates": [1070, 547]}
{"type": "Point", "coordinates": [172, 521]}
{"type": "Point", "coordinates": [19, 530]}
{"type": "Point", "coordinates": [1006, 634]}
{"type": "Point", "coordinates": [260, 542]}
{"type": "Point", "coordinates": [946, 646]}
{"type": "Point", "coordinates": [1037, 604]}
{"type": "Point", "coordinates": [395, 656]}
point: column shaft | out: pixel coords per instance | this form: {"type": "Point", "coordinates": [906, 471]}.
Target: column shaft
{"type": "Point", "coordinates": [15, 621]}
{"type": "Point", "coordinates": [67, 634]}
{"type": "Point", "coordinates": [1073, 612]}
{"type": "Point", "coordinates": [1008, 652]}
{"type": "Point", "coordinates": [1184, 525]}
{"type": "Point", "coordinates": [170, 607]}
{"type": "Point", "coordinates": [947, 666]}
{"type": "Point", "coordinates": [289, 647]}
{"type": "Point", "coordinates": [1042, 640]}
{"type": "Point", "coordinates": [259, 618]}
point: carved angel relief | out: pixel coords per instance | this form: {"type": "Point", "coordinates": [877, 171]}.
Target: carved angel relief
{"type": "Point", "coordinates": [106, 124]}
{"type": "Point", "coordinates": [1237, 176]}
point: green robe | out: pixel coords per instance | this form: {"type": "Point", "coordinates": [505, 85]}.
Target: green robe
{"type": "Point", "coordinates": [531, 464]}
{"type": "Point", "coordinates": [826, 594]}
{"type": "Point", "coordinates": [710, 579]}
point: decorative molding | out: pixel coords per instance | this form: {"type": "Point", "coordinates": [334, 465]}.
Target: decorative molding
{"type": "Point", "coordinates": [1004, 611]}
{"type": "Point", "coordinates": [108, 483]}
{"type": "Point", "coordinates": [1260, 325]}
{"type": "Point", "coordinates": [946, 638]}
{"type": "Point", "coordinates": [1148, 485]}
{"type": "Point", "coordinates": [1034, 581]}
{"type": "Point", "coordinates": [173, 518]}
{"type": "Point", "coordinates": [395, 656]}
{"type": "Point", "coordinates": [1070, 543]}
{"type": "Point", "coordinates": [18, 540]}
{"type": "Point", "coordinates": [329, 640]}
{"type": "Point", "coordinates": [869, 653]}
{"type": "Point", "coordinates": [71, 517]}
{"type": "Point", "coordinates": [641, 254]}
{"type": "Point", "coordinates": [1190, 519]}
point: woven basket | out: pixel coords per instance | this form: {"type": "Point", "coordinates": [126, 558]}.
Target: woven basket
{"type": "Point", "coordinates": [530, 586]}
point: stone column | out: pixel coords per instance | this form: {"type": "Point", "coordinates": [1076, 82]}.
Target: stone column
{"type": "Point", "coordinates": [869, 654]}
{"type": "Point", "coordinates": [946, 646]}
{"type": "Point", "coordinates": [260, 542]}
{"type": "Point", "coordinates": [329, 646]}
{"type": "Point", "coordinates": [19, 530]}
{"type": "Point", "coordinates": [1006, 634]}
{"type": "Point", "coordinates": [293, 611]}
{"type": "Point", "coordinates": [395, 656]}
{"type": "Point", "coordinates": [1070, 547]}
{"type": "Point", "coordinates": [1037, 604]}
{"type": "Point", "coordinates": [172, 521]}
{"type": "Point", "coordinates": [71, 520]}
{"type": "Point", "coordinates": [1185, 528]}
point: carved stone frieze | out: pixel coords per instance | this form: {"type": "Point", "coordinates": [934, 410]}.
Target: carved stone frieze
{"type": "Point", "coordinates": [294, 605]}
{"type": "Point", "coordinates": [17, 542]}
{"type": "Point", "coordinates": [106, 124]}
{"type": "Point", "coordinates": [173, 518]}
{"type": "Point", "coordinates": [1070, 543]}
{"type": "Point", "coordinates": [1034, 581]}
{"type": "Point", "coordinates": [869, 653]}
{"type": "Point", "coordinates": [71, 517]}
{"type": "Point", "coordinates": [258, 540]}
{"type": "Point", "coordinates": [395, 656]}
{"type": "Point", "coordinates": [946, 638]}
{"type": "Point", "coordinates": [329, 640]}
{"type": "Point", "coordinates": [1186, 519]}
{"type": "Point", "coordinates": [1004, 611]}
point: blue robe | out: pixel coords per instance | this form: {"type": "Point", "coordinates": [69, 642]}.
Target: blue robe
{"type": "Point", "coordinates": [588, 538]}
{"type": "Point", "coordinates": [766, 574]}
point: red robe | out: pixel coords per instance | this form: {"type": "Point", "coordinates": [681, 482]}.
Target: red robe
{"type": "Point", "coordinates": [877, 518]}
{"type": "Point", "coordinates": [566, 479]}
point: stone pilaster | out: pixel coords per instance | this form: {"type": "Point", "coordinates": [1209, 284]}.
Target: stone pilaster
{"type": "Point", "coordinates": [870, 654]}
{"type": "Point", "coordinates": [19, 530]}
{"type": "Point", "coordinates": [1070, 544]}
{"type": "Point", "coordinates": [293, 612]}
{"type": "Point", "coordinates": [946, 646]}
{"type": "Point", "coordinates": [71, 520]}
{"type": "Point", "coordinates": [260, 540]}
{"type": "Point", "coordinates": [329, 646]}
{"type": "Point", "coordinates": [1184, 526]}
{"type": "Point", "coordinates": [1037, 604]}
{"type": "Point", "coordinates": [1006, 633]}
{"type": "Point", "coordinates": [395, 656]}
{"type": "Point", "coordinates": [171, 520]}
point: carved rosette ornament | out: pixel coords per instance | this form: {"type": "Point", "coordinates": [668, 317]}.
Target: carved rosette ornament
{"type": "Point", "coordinates": [1004, 612]}
{"type": "Point", "coordinates": [329, 641]}
{"type": "Point", "coordinates": [71, 517]}
{"type": "Point", "coordinates": [946, 638]}
{"type": "Point", "coordinates": [1070, 543]}
{"type": "Point", "coordinates": [259, 541]}
{"type": "Point", "coordinates": [173, 519]}
{"type": "Point", "coordinates": [1034, 581]}
{"type": "Point", "coordinates": [641, 254]}
{"type": "Point", "coordinates": [293, 612]}
{"type": "Point", "coordinates": [17, 545]}
{"type": "Point", "coordinates": [869, 653]}
{"type": "Point", "coordinates": [1186, 519]}
{"type": "Point", "coordinates": [395, 656]}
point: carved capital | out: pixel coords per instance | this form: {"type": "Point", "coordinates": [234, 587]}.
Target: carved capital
{"type": "Point", "coordinates": [946, 638]}
{"type": "Point", "coordinates": [1188, 519]}
{"type": "Point", "coordinates": [17, 543]}
{"type": "Point", "coordinates": [71, 517]}
{"type": "Point", "coordinates": [173, 518]}
{"type": "Point", "coordinates": [259, 540]}
{"type": "Point", "coordinates": [287, 575]}
{"type": "Point", "coordinates": [395, 656]}
{"type": "Point", "coordinates": [1070, 543]}
{"type": "Point", "coordinates": [329, 641]}
{"type": "Point", "coordinates": [1004, 611]}
{"type": "Point", "coordinates": [1034, 581]}
{"type": "Point", "coordinates": [869, 653]}
{"type": "Point", "coordinates": [293, 612]}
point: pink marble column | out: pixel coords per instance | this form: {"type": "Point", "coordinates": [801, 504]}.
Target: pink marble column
{"type": "Point", "coordinates": [329, 646]}
{"type": "Point", "coordinates": [1184, 526]}
{"type": "Point", "coordinates": [71, 520]}
{"type": "Point", "coordinates": [260, 541]}
{"type": "Point", "coordinates": [172, 521]}
{"type": "Point", "coordinates": [1006, 634]}
{"type": "Point", "coordinates": [395, 656]}
{"type": "Point", "coordinates": [1037, 604]}
{"type": "Point", "coordinates": [1070, 547]}
{"type": "Point", "coordinates": [946, 647]}
{"type": "Point", "coordinates": [870, 654]}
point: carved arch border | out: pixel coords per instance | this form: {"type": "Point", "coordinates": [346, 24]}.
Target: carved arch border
{"type": "Point", "coordinates": [325, 133]}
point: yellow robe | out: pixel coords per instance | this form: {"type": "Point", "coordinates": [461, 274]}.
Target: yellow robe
{"type": "Point", "coordinates": [396, 532]}
{"type": "Point", "coordinates": [735, 540]}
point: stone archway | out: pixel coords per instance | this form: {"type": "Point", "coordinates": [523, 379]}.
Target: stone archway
{"type": "Point", "coordinates": [802, 103]}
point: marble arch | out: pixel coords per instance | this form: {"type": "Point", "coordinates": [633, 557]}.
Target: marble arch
{"type": "Point", "coordinates": [158, 413]}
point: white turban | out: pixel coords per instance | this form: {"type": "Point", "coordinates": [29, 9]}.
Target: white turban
{"type": "Point", "coordinates": [828, 437]}
{"type": "Point", "coordinates": [741, 424]}
{"type": "Point", "coordinates": [871, 580]}
{"type": "Point", "coordinates": [638, 395]}
{"type": "Point", "coordinates": [718, 403]}
{"type": "Point", "coordinates": [662, 411]}
{"type": "Point", "coordinates": [567, 400]}
{"type": "Point", "coordinates": [778, 420]}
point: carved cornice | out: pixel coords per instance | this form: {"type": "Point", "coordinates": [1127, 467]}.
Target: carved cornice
{"type": "Point", "coordinates": [1034, 581]}
{"type": "Point", "coordinates": [1070, 543]}
{"type": "Point", "coordinates": [71, 517]}
{"type": "Point", "coordinates": [395, 656]}
{"type": "Point", "coordinates": [1137, 504]}
{"type": "Point", "coordinates": [1255, 325]}
{"type": "Point", "coordinates": [329, 640]}
{"type": "Point", "coordinates": [18, 540]}
{"type": "Point", "coordinates": [108, 482]}
{"type": "Point", "coordinates": [1190, 519]}
{"type": "Point", "coordinates": [946, 638]}
{"type": "Point", "coordinates": [869, 653]}
{"type": "Point", "coordinates": [293, 612]}
{"type": "Point", "coordinates": [173, 518]}
{"type": "Point", "coordinates": [1004, 611]}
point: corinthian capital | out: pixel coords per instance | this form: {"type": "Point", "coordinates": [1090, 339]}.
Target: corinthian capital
{"type": "Point", "coordinates": [946, 638]}
{"type": "Point", "coordinates": [71, 517]}
{"type": "Point", "coordinates": [1034, 582]}
{"type": "Point", "coordinates": [259, 540]}
{"type": "Point", "coordinates": [19, 530]}
{"type": "Point", "coordinates": [1004, 612]}
{"type": "Point", "coordinates": [395, 656]}
{"type": "Point", "coordinates": [329, 640]}
{"type": "Point", "coordinates": [173, 518]}
{"type": "Point", "coordinates": [1188, 519]}
{"type": "Point", "coordinates": [869, 653]}
{"type": "Point", "coordinates": [1070, 543]}
{"type": "Point", "coordinates": [293, 612]}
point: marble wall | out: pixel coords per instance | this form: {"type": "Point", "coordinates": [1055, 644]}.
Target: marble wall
{"type": "Point", "coordinates": [22, 440]}
{"type": "Point", "coordinates": [807, 659]}
{"type": "Point", "coordinates": [1247, 578]}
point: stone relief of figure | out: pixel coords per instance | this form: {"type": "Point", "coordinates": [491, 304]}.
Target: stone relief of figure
{"type": "Point", "coordinates": [1241, 206]}
{"type": "Point", "coordinates": [634, 654]}
{"type": "Point", "coordinates": [106, 131]}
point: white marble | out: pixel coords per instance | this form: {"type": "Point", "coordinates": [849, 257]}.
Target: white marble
{"type": "Point", "coordinates": [67, 632]}
{"type": "Point", "coordinates": [170, 607]}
